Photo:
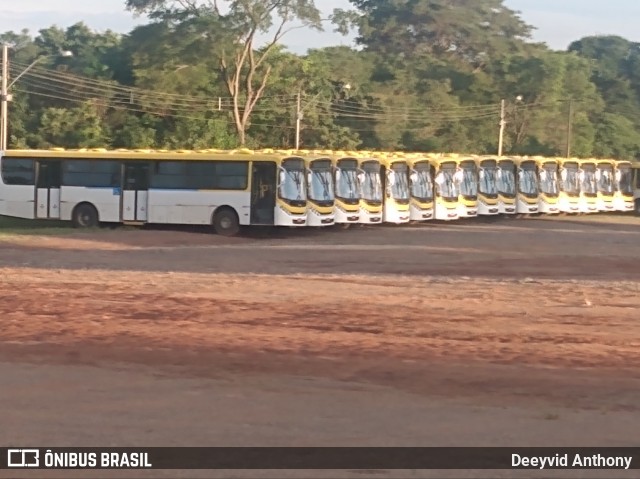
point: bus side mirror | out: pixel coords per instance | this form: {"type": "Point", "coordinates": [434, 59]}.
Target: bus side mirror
{"type": "Point", "coordinates": [283, 176]}
{"type": "Point", "coordinates": [618, 175]}
{"type": "Point", "coordinates": [481, 173]}
{"type": "Point", "coordinates": [563, 174]}
{"type": "Point", "coordinates": [598, 175]}
{"type": "Point", "coordinates": [338, 174]}
{"type": "Point", "coordinates": [414, 177]}
{"type": "Point", "coordinates": [439, 179]}
{"type": "Point", "coordinates": [309, 177]}
{"type": "Point", "coordinates": [391, 178]}
{"type": "Point", "coordinates": [361, 177]}
{"type": "Point", "coordinates": [581, 176]}
{"type": "Point", "coordinates": [459, 176]}
{"type": "Point", "coordinates": [543, 175]}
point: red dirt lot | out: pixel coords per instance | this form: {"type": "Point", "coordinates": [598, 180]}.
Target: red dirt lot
{"type": "Point", "coordinates": [474, 333]}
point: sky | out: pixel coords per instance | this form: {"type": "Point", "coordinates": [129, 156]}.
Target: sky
{"type": "Point", "coordinates": [557, 22]}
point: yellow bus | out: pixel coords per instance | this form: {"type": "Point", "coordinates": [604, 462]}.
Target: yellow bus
{"type": "Point", "coordinates": [488, 195]}
{"type": "Point", "coordinates": [371, 193]}
{"type": "Point", "coordinates": [320, 193]}
{"type": "Point", "coordinates": [569, 197]}
{"type": "Point", "coordinates": [446, 177]}
{"type": "Point", "coordinates": [588, 186]}
{"type": "Point", "coordinates": [527, 186]}
{"type": "Point", "coordinates": [636, 186]}
{"type": "Point", "coordinates": [605, 181]}
{"type": "Point", "coordinates": [506, 185]}
{"type": "Point", "coordinates": [395, 185]}
{"type": "Point", "coordinates": [225, 189]}
{"type": "Point", "coordinates": [549, 189]}
{"type": "Point", "coordinates": [468, 185]}
{"type": "Point", "coordinates": [347, 190]}
{"type": "Point", "coordinates": [421, 188]}
{"type": "Point", "coordinates": [623, 198]}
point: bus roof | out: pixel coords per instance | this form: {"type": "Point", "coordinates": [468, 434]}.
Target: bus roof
{"type": "Point", "coordinates": [142, 154]}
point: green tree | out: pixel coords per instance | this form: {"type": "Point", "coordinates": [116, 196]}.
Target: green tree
{"type": "Point", "coordinates": [231, 28]}
{"type": "Point", "coordinates": [79, 127]}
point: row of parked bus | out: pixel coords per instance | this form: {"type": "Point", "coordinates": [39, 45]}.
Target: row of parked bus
{"type": "Point", "coordinates": [418, 187]}
{"type": "Point", "coordinates": [229, 189]}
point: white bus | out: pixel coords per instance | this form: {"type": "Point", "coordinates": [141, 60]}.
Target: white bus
{"type": "Point", "coordinates": [347, 190]}
{"type": "Point", "coordinates": [468, 204]}
{"type": "Point", "coordinates": [222, 189]}
{"type": "Point", "coordinates": [421, 188]}
{"type": "Point", "coordinates": [320, 195]}
{"type": "Point", "coordinates": [623, 187]}
{"type": "Point", "coordinates": [397, 197]}
{"type": "Point", "coordinates": [506, 184]}
{"type": "Point", "coordinates": [371, 193]}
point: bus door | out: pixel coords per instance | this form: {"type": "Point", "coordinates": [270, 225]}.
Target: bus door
{"type": "Point", "coordinates": [48, 189]}
{"type": "Point", "coordinates": [263, 193]}
{"type": "Point", "coordinates": [135, 191]}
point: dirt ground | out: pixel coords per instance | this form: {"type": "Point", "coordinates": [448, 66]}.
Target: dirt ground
{"type": "Point", "coordinates": [485, 332]}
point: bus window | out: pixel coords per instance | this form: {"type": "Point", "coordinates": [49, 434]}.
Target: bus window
{"type": "Point", "coordinates": [18, 171]}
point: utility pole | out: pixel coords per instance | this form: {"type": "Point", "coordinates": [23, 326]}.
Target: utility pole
{"type": "Point", "coordinates": [570, 128]}
{"type": "Point", "coordinates": [503, 123]}
{"type": "Point", "coordinates": [4, 97]}
{"type": "Point", "coordinates": [298, 119]}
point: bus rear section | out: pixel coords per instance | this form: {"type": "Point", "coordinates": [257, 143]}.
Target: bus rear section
{"type": "Point", "coordinates": [347, 192]}
{"type": "Point", "coordinates": [320, 194]}
{"type": "Point", "coordinates": [605, 180]}
{"type": "Point", "coordinates": [569, 197]}
{"type": "Point", "coordinates": [528, 189]}
{"type": "Point", "coordinates": [371, 192]}
{"type": "Point", "coordinates": [468, 186]}
{"type": "Point", "coordinates": [549, 187]}
{"type": "Point", "coordinates": [421, 189]}
{"type": "Point", "coordinates": [395, 185]}
{"type": "Point", "coordinates": [588, 202]}
{"type": "Point", "coordinates": [447, 177]}
{"type": "Point", "coordinates": [488, 198]}
{"type": "Point", "coordinates": [506, 185]}
{"type": "Point", "coordinates": [623, 186]}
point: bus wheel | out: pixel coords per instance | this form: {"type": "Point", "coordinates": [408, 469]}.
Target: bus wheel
{"type": "Point", "coordinates": [226, 223]}
{"type": "Point", "coordinates": [85, 216]}
{"type": "Point", "coordinates": [344, 226]}
{"type": "Point", "coordinates": [638, 207]}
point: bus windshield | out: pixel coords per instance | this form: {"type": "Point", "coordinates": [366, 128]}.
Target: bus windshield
{"type": "Point", "coordinates": [347, 183]}
{"type": "Point", "coordinates": [421, 183]}
{"type": "Point", "coordinates": [570, 179]}
{"type": "Point", "coordinates": [605, 183]}
{"type": "Point", "coordinates": [528, 181]}
{"type": "Point", "coordinates": [624, 177]}
{"type": "Point", "coordinates": [447, 185]}
{"type": "Point", "coordinates": [488, 183]}
{"type": "Point", "coordinates": [399, 182]}
{"type": "Point", "coordinates": [506, 183]}
{"type": "Point", "coordinates": [588, 176]}
{"type": "Point", "coordinates": [469, 184]}
{"type": "Point", "coordinates": [292, 187]}
{"type": "Point", "coordinates": [549, 179]}
{"type": "Point", "coordinates": [370, 183]}
{"type": "Point", "coordinates": [321, 182]}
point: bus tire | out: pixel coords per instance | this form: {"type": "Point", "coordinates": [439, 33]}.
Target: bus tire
{"type": "Point", "coordinates": [638, 207]}
{"type": "Point", "coordinates": [85, 215]}
{"type": "Point", "coordinates": [225, 222]}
